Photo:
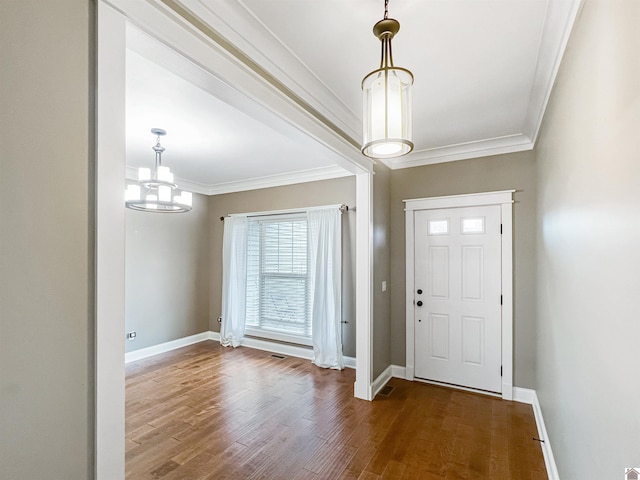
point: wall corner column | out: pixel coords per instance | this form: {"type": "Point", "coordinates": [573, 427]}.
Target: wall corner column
{"type": "Point", "coordinates": [364, 285]}
{"type": "Point", "coordinates": [110, 246]}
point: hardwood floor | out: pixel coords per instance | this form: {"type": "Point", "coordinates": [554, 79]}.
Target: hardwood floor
{"type": "Point", "coordinates": [208, 412]}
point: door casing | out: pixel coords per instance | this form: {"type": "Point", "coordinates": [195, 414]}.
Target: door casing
{"type": "Point", "coordinates": [503, 199]}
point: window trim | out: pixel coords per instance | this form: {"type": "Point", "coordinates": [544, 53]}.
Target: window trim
{"type": "Point", "coordinates": [277, 336]}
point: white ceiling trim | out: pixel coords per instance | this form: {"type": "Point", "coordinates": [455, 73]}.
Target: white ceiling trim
{"type": "Point", "coordinates": [560, 19]}
{"type": "Point", "coordinates": [464, 151]}
{"type": "Point", "coordinates": [255, 38]}
{"type": "Point", "coordinates": [177, 28]}
{"type": "Point", "coordinates": [237, 23]}
{"type": "Point", "coordinates": [204, 22]}
{"type": "Point", "coordinates": [328, 120]}
{"type": "Point", "coordinates": [303, 176]}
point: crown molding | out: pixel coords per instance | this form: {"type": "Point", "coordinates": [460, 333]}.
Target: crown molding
{"type": "Point", "coordinates": [462, 151]}
{"type": "Point", "coordinates": [559, 21]}
{"type": "Point", "coordinates": [244, 31]}
{"type": "Point", "coordinates": [234, 32]}
{"type": "Point", "coordinates": [303, 176]}
{"type": "Point", "coordinates": [177, 27]}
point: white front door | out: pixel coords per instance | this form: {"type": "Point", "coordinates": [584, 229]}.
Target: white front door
{"type": "Point", "coordinates": [457, 296]}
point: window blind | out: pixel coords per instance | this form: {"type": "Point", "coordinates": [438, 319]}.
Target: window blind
{"type": "Point", "coordinates": [278, 282]}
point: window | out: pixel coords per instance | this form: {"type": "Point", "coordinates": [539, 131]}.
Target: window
{"type": "Point", "coordinates": [473, 225]}
{"type": "Point", "coordinates": [278, 278]}
{"type": "Point", "coordinates": [439, 227]}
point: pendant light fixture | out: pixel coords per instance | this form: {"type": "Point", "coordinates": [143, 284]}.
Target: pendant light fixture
{"type": "Point", "coordinates": [155, 191]}
{"type": "Point", "coordinates": [386, 92]}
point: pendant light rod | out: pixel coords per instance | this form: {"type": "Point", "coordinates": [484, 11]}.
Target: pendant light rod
{"type": "Point", "coordinates": [159, 149]}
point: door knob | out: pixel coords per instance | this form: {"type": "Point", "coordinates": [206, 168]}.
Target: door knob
{"type": "Point", "coordinates": [419, 291]}
{"type": "Point", "coordinates": [419, 303]}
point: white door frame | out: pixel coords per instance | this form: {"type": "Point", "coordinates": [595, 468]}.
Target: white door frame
{"type": "Point", "coordinates": [504, 199]}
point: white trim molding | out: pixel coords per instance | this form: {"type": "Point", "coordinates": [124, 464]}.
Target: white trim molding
{"type": "Point", "coordinates": [364, 286]}
{"type": "Point", "coordinates": [147, 352]}
{"type": "Point", "coordinates": [250, 342]}
{"type": "Point", "coordinates": [398, 371]}
{"type": "Point", "coordinates": [109, 385]}
{"type": "Point", "coordinates": [235, 22]}
{"type": "Point", "coordinates": [382, 379]}
{"type": "Point", "coordinates": [451, 153]}
{"type": "Point", "coordinates": [301, 176]}
{"type": "Point", "coordinates": [197, 35]}
{"type": "Point", "coordinates": [504, 199]}
{"type": "Point", "coordinates": [559, 21]}
{"type": "Point", "coordinates": [526, 395]}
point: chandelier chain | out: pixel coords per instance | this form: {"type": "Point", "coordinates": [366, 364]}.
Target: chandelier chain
{"type": "Point", "coordinates": [386, 9]}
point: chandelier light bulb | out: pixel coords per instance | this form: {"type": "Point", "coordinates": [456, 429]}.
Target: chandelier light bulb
{"type": "Point", "coordinates": [151, 201]}
{"type": "Point", "coordinates": [144, 174]}
{"type": "Point", "coordinates": [132, 192]}
{"type": "Point", "coordinates": [186, 198]}
{"type": "Point", "coordinates": [164, 193]}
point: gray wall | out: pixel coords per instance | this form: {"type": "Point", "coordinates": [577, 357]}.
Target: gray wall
{"type": "Point", "coordinates": [381, 349]}
{"type": "Point", "coordinates": [167, 274]}
{"type": "Point", "coordinates": [46, 242]}
{"type": "Point", "coordinates": [588, 153]}
{"type": "Point", "coordinates": [501, 172]}
{"type": "Point", "coordinates": [326, 192]}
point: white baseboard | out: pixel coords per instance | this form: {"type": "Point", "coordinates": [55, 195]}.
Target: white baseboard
{"type": "Point", "coordinates": [381, 381]}
{"type": "Point", "coordinates": [526, 395]}
{"type": "Point", "coordinates": [549, 460]}
{"type": "Point", "coordinates": [350, 362]}
{"type": "Point", "coordinates": [523, 395]}
{"type": "Point", "coordinates": [165, 347]}
{"type": "Point", "coordinates": [398, 371]}
{"type": "Point", "coordinates": [281, 348]}
{"type": "Point", "coordinates": [275, 347]}
{"type": "Point", "coordinates": [392, 371]}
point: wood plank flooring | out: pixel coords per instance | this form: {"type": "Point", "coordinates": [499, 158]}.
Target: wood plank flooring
{"type": "Point", "coordinates": [208, 412]}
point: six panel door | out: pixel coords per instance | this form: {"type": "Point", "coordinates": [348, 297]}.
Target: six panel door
{"type": "Point", "coordinates": [457, 307]}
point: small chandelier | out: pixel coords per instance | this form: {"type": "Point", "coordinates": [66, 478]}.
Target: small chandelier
{"type": "Point", "coordinates": [155, 191]}
{"type": "Point", "coordinates": [387, 130]}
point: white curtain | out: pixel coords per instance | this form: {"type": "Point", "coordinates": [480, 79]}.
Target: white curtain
{"type": "Point", "coordinates": [326, 271]}
{"type": "Point", "coordinates": [234, 280]}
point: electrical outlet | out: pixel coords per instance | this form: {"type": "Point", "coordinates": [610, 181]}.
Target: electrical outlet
{"type": "Point", "coordinates": [219, 319]}
{"type": "Point", "coordinates": [384, 285]}
{"type": "Point", "coordinates": [131, 335]}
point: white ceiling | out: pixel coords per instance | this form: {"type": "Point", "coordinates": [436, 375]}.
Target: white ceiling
{"type": "Point", "coordinates": [483, 73]}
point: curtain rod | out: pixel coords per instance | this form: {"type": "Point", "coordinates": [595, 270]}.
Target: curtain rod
{"type": "Point", "coordinates": [342, 207]}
